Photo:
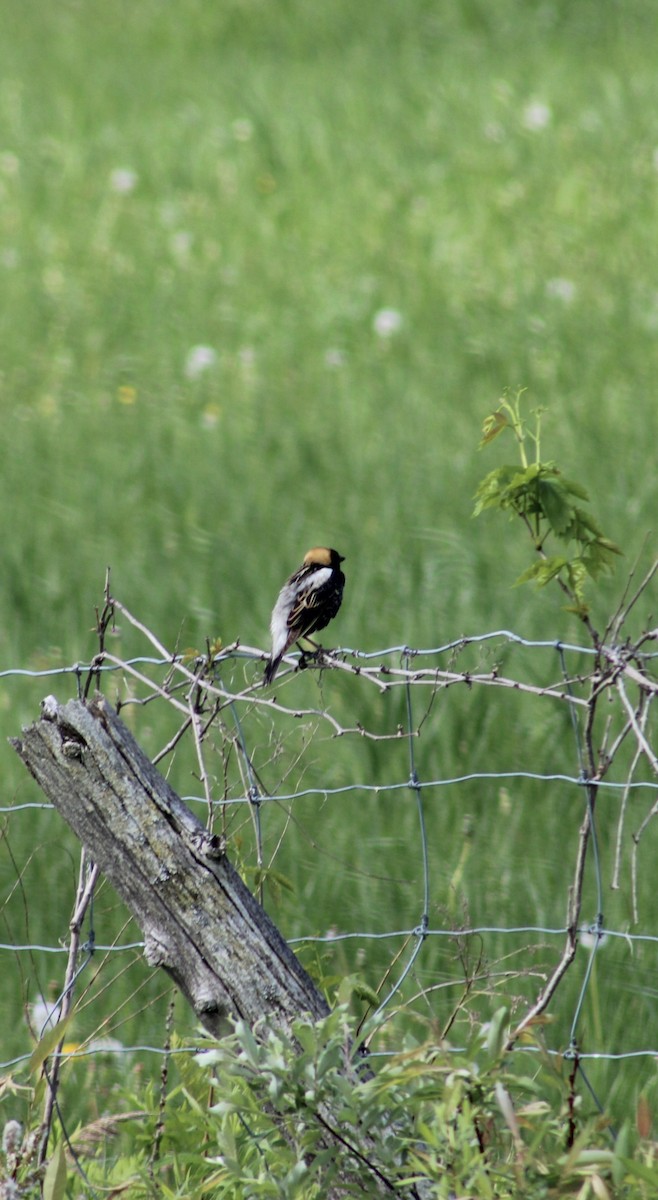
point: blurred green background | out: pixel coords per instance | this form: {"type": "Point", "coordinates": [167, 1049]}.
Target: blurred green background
{"type": "Point", "coordinates": [265, 266]}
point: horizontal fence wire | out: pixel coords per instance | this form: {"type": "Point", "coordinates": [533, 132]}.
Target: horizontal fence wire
{"type": "Point", "coordinates": [402, 666]}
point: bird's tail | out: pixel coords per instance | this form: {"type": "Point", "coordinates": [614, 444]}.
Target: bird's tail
{"type": "Point", "coordinates": [271, 669]}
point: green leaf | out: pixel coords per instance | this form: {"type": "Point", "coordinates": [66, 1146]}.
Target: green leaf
{"type": "Point", "coordinates": [555, 505]}
{"type": "Point", "coordinates": [575, 489]}
{"type": "Point", "coordinates": [542, 571]}
{"type": "Point", "coordinates": [599, 556]}
{"type": "Point", "coordinates": [275, 880]}
{"type": "Point", "coordinates": [496, 1032]}
{"type": "Point", "coordinates": [54, 1180]}
{"type": "Point", "coordinates": [638, 1170]}
{"type": "Point", "coordinates": [51, 1039]}
{"type": "Point", "coordinates": [584, 525]}
{"type": "Point", "coordinates": [492, 426]}
{"type": "Point", "coordinates": [492, 488]}
{"type": "Point", "coordinates": [306, 1036]}
{"type": "Point", "coordinates": [353, 986]}
{"type": "Point", "coordinates": [581, 610]}
{"type": "Point", "coordinates": [248, 1043]}
{"type": "Point", "coordinates": [622, 1148]}
{"type": "Point", "coordinates": [363, 992]}
{"type": "Point", "coordinates": [577, 572]}
{"type": "Point", "coordinates": [606, 544]}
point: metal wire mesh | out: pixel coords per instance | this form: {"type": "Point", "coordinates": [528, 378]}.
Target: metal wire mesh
{"type": "Point", "coordinates": [259, 753]}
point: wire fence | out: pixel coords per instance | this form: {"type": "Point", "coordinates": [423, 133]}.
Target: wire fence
{"type": "Point", "coordinates": [423, 817]}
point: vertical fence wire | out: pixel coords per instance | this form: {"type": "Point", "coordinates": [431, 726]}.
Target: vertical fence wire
{"type": "Point", "coordinates": [594, 931]}
{"type": "Point", "coordinates": [420, 931]}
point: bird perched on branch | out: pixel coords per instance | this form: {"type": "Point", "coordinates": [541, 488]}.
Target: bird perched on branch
{"type": "Point", "coordinates": [306, 603]}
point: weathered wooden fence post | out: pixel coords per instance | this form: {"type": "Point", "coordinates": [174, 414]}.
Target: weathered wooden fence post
{"type": "Point", "coordinates": [200, 922]}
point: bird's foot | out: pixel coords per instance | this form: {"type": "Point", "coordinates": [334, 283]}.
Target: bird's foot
{"type": "Point", "coordinates": [307, 658]}
{"type": "Point", "coordinates": [319, 657]}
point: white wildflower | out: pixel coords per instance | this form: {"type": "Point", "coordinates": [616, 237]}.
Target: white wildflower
{"type": "Point", "coordinates": [44, 1016]}
{"type": "Point", "coordinates": [387, 322]}
{"type": "Point", "coordinates": [12, 1136]}
{"type": "Point", "coordinates": [536, 116]}
{"type": "Point", "coordinates": [561, 289]}
{"type": "Point", "coordinates": [123, 180]}
{"type": "Point", "coordinates": [199, 359]}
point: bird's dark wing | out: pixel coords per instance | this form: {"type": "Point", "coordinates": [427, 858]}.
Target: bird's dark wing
{"type": "Point", "coordinates": [316, 606]}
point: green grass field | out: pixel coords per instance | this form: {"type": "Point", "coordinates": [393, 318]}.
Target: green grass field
{"type": "Point", "coordinates": [265, 268]}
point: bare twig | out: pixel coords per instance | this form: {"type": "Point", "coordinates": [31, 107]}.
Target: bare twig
{"type": "Point", "coordinates": [637, 753]}
{"type": "Point", "coordinates": [621, 616]}
{"type": "Point", "coordinates": [88, 878]}
{"type": "Point", "coordinates": [637, 730]}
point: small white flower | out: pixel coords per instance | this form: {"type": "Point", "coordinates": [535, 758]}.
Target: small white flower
{"type": "Point", "coordinates": [44, 1016]}
{"type": "Point", "coordinates": [12, 1136]}
{"type": "Point", "coordinates": [123, 180]}
{"type": "Point", "coordinates": [199, 359]}
{"type": "Point", "coordinates": [386, 322]}
{"type": "Point", "coordinates": [561, 289]}
{"type": "Point", "coordinates": [536, 116]}
{"type": "Point", "coordinates": [334, 358]}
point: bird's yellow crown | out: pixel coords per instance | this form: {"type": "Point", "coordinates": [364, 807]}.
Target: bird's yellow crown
{"type": "Point", "coordinates": [322, 556]}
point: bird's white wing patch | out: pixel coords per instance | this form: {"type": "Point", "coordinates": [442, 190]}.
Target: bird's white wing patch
{"type": "Point", "coordinates": [288, 597]}
{"type": "Point", "coordinates": [315, 580]}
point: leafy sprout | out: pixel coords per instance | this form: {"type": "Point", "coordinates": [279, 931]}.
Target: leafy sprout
{"type": "Point", "coordinates": [549, 504]}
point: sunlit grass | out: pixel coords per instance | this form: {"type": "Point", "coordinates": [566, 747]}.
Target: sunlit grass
{"type": "Point", "coordinates": [264, 270]}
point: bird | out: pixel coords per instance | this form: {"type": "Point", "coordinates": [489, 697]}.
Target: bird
{"type": "Point", "coordinates": [307, 602]}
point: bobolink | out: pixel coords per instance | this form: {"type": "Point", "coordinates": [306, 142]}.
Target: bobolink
{"type": "Point", "coordinates": [306, 603]}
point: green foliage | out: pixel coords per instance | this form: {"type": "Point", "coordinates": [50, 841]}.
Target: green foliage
{"type": "Point", "coordinates": [546, 502]}
{"type": "Point", "coordinates": [265, 1114]}
{"type": "Point", "coordinates": [47, 1043]}
{"type": "Point", "coordinates": [21, 1171]}
{"type": "Point", "coordinates": [54, 1180]}
{"type": "Point", "coordinates": [262, 1114]}
{"type": "Point", "coordinates": [19, 1165]}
